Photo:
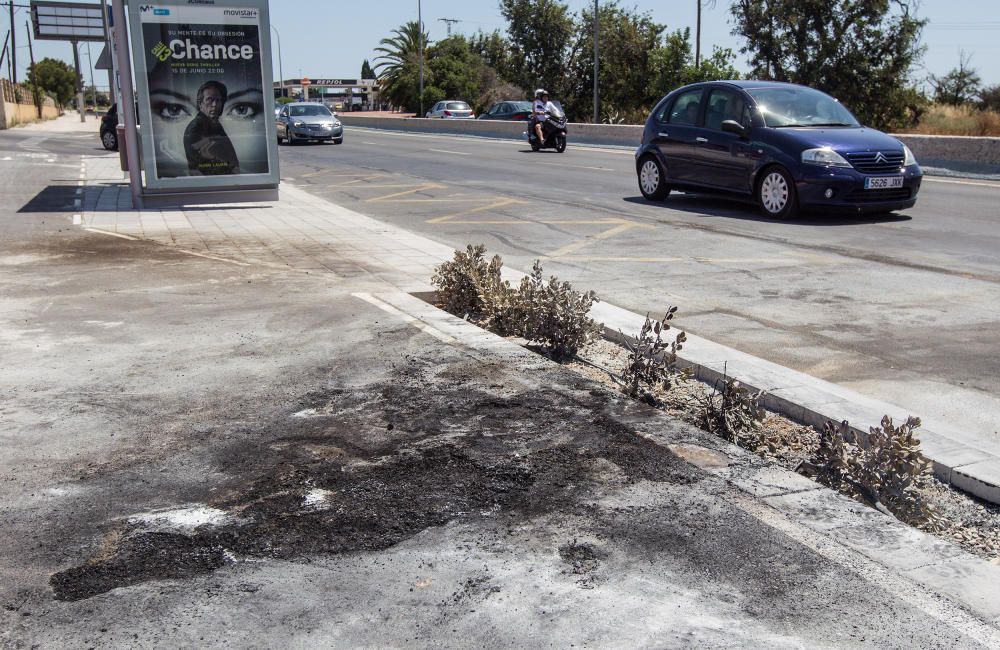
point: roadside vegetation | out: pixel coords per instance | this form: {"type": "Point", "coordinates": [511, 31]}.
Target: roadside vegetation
{"type": "Point", "coordinates": [882, 468]}
{"type": "Point", "coordinates": [862, 53]}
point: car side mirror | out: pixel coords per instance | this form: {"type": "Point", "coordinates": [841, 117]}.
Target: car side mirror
{"type": "Point", "coordinates": [732, 126]}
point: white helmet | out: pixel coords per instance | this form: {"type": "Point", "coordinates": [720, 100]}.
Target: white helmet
{"type": "Point", "coordinates": [540, 92]}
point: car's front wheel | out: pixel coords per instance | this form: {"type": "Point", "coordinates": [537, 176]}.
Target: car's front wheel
{"type": "Point", "coordinates": [776, 194]}
{"type": "Point", "coordinates": [109, 140]}
{"type": "Point", "coordinates": [652, 180]}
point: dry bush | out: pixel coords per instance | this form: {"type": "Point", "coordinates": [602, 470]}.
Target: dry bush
{"type": "Point", "coordinates": [734, 413]}
{"type": "Point", "coordinates": [555, 315]}
{"type": "Point", "coordinates": [458, 281]}
{"type": "Point", "coordinates": [652, 362]}
{"type": "Point", "coordinates": [880, 468]}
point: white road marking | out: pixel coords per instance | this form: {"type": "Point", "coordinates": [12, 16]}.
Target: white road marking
{"type": "Point", "coordinates": [951, 182]}
{"type": "Point", "coordinates": [600, 169]}
{"type": "Point", "coordinates": [112, 234]}
{"type": "Point", "coordinates": [386, 307]}
{"type": "Point", "coordinates": [495, 141]}
{"type": "Point", "coordinates": [457, 153]}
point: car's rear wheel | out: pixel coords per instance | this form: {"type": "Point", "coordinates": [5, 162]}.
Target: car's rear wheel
{"type": "Point", "coordinates": [110, 140]}
{"type": "Point", "coordinates": [776, 194]}
{"type": "Point", "coordinates": [652, 179]}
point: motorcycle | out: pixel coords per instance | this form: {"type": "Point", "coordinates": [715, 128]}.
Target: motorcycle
{"type": "Point", "coordinates": [553, 131]}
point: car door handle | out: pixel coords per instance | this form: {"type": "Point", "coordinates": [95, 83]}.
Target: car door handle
{"type": "Point", "coordinates": [701, 140]}
{"type": "Point", "coordinates": [662, 134]}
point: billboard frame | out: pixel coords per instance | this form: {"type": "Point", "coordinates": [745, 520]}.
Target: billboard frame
{"type": "Point", "coordinates": [95, 7]}
{"type": "Point", "coordinates": [203, 189]}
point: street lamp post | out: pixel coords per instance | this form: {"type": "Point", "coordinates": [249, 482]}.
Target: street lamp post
{"type": "Point", "coordinates": [420, 51]}
{"type": "Point", "coordinates": [597, 66]}
{"type": "Point", "coordinates": [281, 71]}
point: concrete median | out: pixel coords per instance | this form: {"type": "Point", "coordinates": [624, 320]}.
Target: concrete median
{"type": "Point", "coordinates": [959, 153]}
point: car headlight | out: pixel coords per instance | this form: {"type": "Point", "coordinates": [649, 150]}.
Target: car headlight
{"type": "Point", "coordinates": [336, 124]}
{"type": "Point", "coordinates": [297, 123]}
{"type": "Point", "coordinates": [909, 159]}
{"type": "Point", "coordinates": [824, 156]}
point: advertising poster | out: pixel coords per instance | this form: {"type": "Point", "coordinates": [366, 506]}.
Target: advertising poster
{"type": "Point", "coordinates": [207, 97]}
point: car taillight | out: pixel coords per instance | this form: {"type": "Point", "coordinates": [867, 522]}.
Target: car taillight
{"type": "Point", "coordinates": [447, 113]}
{"type": "Point", "coordinates": [520, 117]}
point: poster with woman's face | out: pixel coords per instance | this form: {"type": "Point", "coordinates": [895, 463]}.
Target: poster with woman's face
{"type": "Point", "coordinates": [206, 90]}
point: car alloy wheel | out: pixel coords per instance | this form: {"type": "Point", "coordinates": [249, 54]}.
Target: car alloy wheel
{"type": "Point", "coordinates": [109, 140]}
{"type": "Point", "coordinates": [651, 180]}
{"type": "Point", "coordinates": [776, 194]}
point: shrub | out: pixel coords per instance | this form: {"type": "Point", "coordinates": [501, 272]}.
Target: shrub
{"type": "Point", "coordinates": [651, 362]}
{"type": "Point", "coordinates": [880, 468]}
{"type": "Point", "coordinates": [458, 281]}
{"type": "Point", "coordinates": [734, 413]}
{"type": "Point", "coordinates": [555, 315]}
{"type": "Point", "coordinates": [502, 307]}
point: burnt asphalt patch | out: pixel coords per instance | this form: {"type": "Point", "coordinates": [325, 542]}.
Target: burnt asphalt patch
{"type": "Point", "coordinates": [390, 460]}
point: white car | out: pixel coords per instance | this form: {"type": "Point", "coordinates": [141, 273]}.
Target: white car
{"type": "Point", "coordinates": [451, 109]}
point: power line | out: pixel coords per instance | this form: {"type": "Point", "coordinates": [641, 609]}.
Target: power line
{"type": "Point", "coordinates": [450, 22]}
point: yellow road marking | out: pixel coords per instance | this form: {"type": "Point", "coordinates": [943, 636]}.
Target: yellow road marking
{"type": "Point", "coordinates": [491, 206]}
{"type": "Point", "coordinates": [600, 169]}
{"type": "Point", "coordinates": [651, 260]}
{"type": "Point", "coordinates": [421, 188]}
{"type": "Point", "coordinates": [586, 241]}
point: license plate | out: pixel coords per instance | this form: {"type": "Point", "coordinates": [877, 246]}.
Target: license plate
{"type": "Point", "coordinates": [883, 182]}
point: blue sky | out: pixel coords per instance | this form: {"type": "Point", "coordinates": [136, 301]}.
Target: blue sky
{"type": "Point", "coordinates": [329, 38]}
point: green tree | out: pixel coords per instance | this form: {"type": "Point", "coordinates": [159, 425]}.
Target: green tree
{"type": "Point", "coordinates": [494, 50]}
{"type": "Point", "coordinates": [54, 77]}
{"type": "Point", "coordinates": [366, 70]}
{"type": "Point", "coordinates": [455, 69]}
{"type": "Point", "coordinates": [989, 98]}
{"type": "Point", "coordinates": [859, 51]}
{"type": "Point", "coordinates": [398, 63]}
{"type": "Point", "coordinates": [539, 36]}
{"type": "Point", "coordinates": [959, 86]}
{"type": "Point", "coordinates": [672, 65]}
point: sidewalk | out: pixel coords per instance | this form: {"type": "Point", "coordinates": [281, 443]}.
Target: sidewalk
{"type": "Point", "coordinates": [324, 237]}
{"type": "Point", "coordinates": [235, 426]}
{"type": "Point", "coordinates": [68, 122]}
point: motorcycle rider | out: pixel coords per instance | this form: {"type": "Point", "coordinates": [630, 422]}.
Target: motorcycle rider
{"type": "Point", "coordinates": [542, 107]}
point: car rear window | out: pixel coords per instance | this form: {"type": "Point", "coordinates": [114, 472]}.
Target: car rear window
{"type": "Point", "coordinates": [521, 106]}
{"type": "Point", "coordinates": [299, 111]}
{"type": "Point", "coordinates": [457, 106]}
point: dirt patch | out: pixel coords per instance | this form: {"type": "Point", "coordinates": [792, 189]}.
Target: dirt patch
{"type": "Point", "coordinates": [398, 457]}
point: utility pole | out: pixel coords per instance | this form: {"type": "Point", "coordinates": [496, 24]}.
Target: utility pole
{"type": "Point", "coordinates": [449, 22]}
{"type": "Point", "coordinates": [597, 65]}
{"type": "Point", "coordinates": [80, 105]}
{"type": "Point", "coordinates": [31, 57]}
{"type": "Point", "coordinates": [93, 86]}
{"type": "Point", "coordinates": [697, 39]}
{"type": "Point", "coordinates": [420, 54]}
{"type": "Point", "coordinates": [13, 45]}
{"type": "Point", "coordinates": [3, 53]}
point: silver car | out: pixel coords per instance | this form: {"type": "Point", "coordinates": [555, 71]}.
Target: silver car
{"type": "Point", "coordinates": [308, 121]}
{"type": "Point", "coordinates": [451, 109]}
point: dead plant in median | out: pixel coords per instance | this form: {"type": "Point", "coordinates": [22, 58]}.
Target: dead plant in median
{"type": "Point", "coordinates": [555, 315]}
{"type": "Point", "coordinates": [734, 413]}
{"type": "Point", "coordinates": [458, 281]}
{"type": "Point", "coordinates": [651, 361]}
{"type": "Point", "coordinates": [880, 468]}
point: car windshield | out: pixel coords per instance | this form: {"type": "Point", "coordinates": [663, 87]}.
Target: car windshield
{"type": "Point", "coordinates": [800, 107]}
{"type": "Point", "coordinates": [300, 111]}
{"type": "Point", "coordinates": [457, 106]}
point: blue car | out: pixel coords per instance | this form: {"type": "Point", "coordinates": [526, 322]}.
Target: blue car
{"type": "Point", "coordinates": [786, 147]}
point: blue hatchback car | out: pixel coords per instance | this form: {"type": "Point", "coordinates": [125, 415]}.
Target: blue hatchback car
{"type": "Point", "coordinates": [783, 145]}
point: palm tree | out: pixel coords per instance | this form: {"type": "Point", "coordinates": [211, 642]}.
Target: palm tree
{"type": "Point", "coordinates": [398, 62]}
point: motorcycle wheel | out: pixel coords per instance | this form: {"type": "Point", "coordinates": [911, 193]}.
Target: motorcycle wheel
{"type": "Point", "coordinates": [534, 145]}
{"type": "Point", "coordinates": [560, 143]}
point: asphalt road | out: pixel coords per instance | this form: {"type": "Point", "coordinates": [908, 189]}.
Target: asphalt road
{"type": "Point", "coordinates": [203, 454]}
{"type": "Point", "coordinates": [903, 307]}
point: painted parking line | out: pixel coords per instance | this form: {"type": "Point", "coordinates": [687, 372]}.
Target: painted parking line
{"type": "Point", "coordinates": [586, 241]}
{"type": "Point", "coordinates": [456, 153]}
{"type": "Point", "coordinates": [394, 197]}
